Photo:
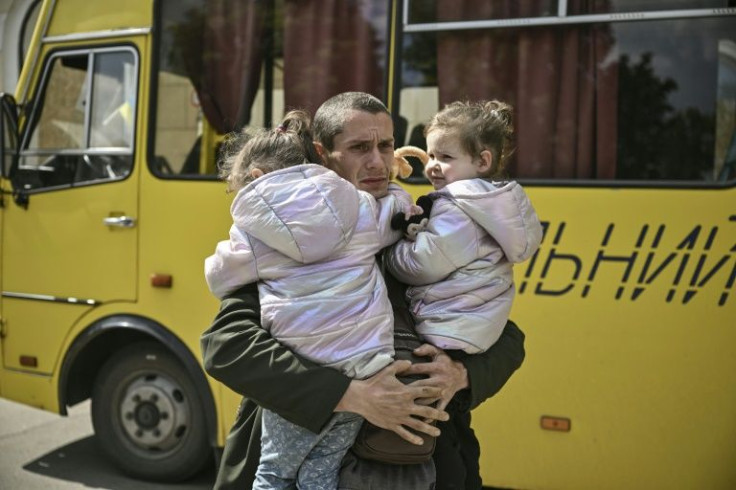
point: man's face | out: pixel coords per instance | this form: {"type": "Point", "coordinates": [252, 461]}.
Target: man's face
{"type": "Point", "coordinates": [364, 151]}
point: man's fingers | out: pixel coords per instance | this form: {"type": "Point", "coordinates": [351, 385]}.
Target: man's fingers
{"type": "Point", "coordinates": [421, 368]}
{"type": "Point", "coordinates": [420, 425]}
{"type": "Point", "coordinates": [421, 389]}
{"type": "Point", "coordinates": [426, 350]}
{"type": "Point", "coordinates": [398, 367]}
{"type": "Point", "coordinates": [443, 404]}
{"type": "Point", "coordinates": [431, 413]}
{"type": "Point", "coordinates": [405, 434]}
{"type": "Point", "coordinates": [427, 401]}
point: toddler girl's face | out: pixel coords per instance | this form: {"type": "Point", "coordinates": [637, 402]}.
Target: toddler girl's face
{"type": "Point", "coordinates": [448, 160]}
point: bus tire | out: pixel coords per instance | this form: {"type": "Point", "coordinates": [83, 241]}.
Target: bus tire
{"type": "Point", "coordinates": [147, 415]}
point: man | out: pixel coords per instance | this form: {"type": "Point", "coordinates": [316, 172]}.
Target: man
{"type": "Point", "coordinates": [353, 134]}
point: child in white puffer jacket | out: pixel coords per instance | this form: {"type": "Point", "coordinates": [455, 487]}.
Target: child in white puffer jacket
{"type": "Point", "coordinates": [459, 267]}
{"type": "Point", "coordinates": [309, 240]}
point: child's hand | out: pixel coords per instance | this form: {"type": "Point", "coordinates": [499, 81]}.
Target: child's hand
{"type": "Point", "coordinates": [412, 220]}
{"type": "Point", "coordinates": [412, 227]}
{"type": "Point", "coordinates": [412, 210]}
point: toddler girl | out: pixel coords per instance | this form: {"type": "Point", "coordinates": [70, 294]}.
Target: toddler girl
{"type": "Point", "coordinates": [460, 265]}
{"type": "Point", "coordinates": [309, 239]}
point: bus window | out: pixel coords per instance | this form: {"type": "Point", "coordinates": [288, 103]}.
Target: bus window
{"type": "Point", "coordinates": [223, 66]}
{"type": "Point", "coordinates": [82, 128]}
{"type": "Point", "coordinates": [725, 166]}
{"type": "Point", "coordinates": [602, 91]}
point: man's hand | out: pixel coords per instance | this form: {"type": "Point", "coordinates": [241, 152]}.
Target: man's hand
{"type": "Point", "coordinates": [386, 402]}
{"type": "Point", "coordinates": [445, 374]}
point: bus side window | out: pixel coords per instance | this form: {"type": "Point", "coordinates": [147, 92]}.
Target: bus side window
{"type": "Point", "coordinates": [82, 129]}
{"type": "Point", "coordinates": [725, 152]}
{"type": "Point", "coordinates": [618, 99]}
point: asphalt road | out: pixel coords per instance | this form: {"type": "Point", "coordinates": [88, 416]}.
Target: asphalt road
{"type": "Point", "coordinates": [41, 450]}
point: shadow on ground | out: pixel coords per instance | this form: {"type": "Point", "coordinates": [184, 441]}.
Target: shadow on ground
{"type": "Point", "coordinates": [81, 461]}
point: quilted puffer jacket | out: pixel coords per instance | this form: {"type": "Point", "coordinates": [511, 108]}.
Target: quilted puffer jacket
{"type": "Point", "coordinates": [309, 238]}
{"type": "Point", "coordinates": [460, 266]}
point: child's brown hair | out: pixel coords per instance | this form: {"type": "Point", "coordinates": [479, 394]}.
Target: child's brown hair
{"type": "Point", "coordinates": [287, 145]}
{"type": "Point", "coordinates": [482, 125]}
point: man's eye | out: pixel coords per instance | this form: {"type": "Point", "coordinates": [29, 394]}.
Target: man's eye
{"type": "Point", "coordinates": [362, 147]}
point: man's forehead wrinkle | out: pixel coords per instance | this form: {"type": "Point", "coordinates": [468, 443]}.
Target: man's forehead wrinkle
{"type": "Point", "coordinates": [362, 129]}
{"type": "Point", "coordinates": [372, 135]}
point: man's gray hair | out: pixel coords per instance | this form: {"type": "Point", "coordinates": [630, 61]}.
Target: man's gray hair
{"type": "Point", "coordinates": [330, 118]}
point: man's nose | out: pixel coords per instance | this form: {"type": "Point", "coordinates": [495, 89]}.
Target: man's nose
{"type": "Point", "coordinates": [375, 159]}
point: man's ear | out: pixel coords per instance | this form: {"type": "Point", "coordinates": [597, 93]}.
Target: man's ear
{"type": "Point", "coordinates": [324, 155]}
{"type": "Point", "coordinates": [321, 151]}
{"type": "Point", "coordinates": [486, 161]}
{"type": "Point", "coordinates": [256, 172]}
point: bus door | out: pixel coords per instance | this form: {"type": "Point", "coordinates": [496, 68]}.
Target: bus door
{"type": "Point", "coordinates": [69, 242]}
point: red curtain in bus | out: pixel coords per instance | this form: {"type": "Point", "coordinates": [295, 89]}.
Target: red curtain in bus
{"type": "Point", "coordinates": [561, 80]}
{"type": "Point", "coordinates": [223, 57]}
{"type": "Point", "coordinates": [330, 46]}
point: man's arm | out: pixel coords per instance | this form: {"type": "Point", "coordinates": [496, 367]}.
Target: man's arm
{"type": "Point", "coordinates": [474, 377]}
{"type": "Point", "coordinates": [238, 352]}
{"type": "Point", "coordinates": [489, 371]}
{"type": "Point", "coordinates": [242, 355]}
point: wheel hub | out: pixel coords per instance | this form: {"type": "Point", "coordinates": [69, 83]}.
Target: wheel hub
{"type": "Point", "coordinates": [147, 415]}
{"type": "Point", "coordinates": [154, 413]}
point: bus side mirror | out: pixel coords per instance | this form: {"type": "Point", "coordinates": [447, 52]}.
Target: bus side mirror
{"type": "Point", "coordinates": [8, 135]}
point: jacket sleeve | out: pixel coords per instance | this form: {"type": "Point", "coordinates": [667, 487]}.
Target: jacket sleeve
{"type": "Point", "coordinates": [397, 201]}
{"type": "Point", "coordinates": [489, 371]}
{"type": "Point", "coordinates": [232, 265]}
{"type": "Point", "coordinates": [242, 355]}
{"type": "Point", "coordinates": [448, 243]}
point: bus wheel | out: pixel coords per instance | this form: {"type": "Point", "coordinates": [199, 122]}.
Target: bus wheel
{"type": "Point", "coordinates": [147, 415]}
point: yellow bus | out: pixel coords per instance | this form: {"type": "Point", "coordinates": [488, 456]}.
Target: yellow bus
{"type": "Point", "coordinates": [625, 140]}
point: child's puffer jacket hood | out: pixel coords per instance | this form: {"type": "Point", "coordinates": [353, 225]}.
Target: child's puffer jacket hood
{"type": "Point", "coordinates": [321, 226]}
{"type": "Point", "coordinates": [503, 210]}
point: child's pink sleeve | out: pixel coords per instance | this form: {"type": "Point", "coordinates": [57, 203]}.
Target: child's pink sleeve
{"type": "Point", "coordinates": [396, 201]}
{"type": "Point", "coordinates": [232, 265]}
{"type": "Point", "coordinates": [437, 251]}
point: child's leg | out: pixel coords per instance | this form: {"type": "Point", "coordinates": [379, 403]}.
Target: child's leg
{"type": "Point", "coordinates": [321, 468]}
{"type": "Point", "coordinates": [284, 446]}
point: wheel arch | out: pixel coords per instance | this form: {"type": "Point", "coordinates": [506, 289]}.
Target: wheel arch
{"type": "Point", "coordinates": [95, 344]}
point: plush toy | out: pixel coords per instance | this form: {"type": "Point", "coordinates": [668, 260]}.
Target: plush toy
{"type": "Point", "coordinates": [403, 169]}
{"type": "Point", "coordinates": [412, 226]}
{"type": "Point", "coordinates": [401, 166]}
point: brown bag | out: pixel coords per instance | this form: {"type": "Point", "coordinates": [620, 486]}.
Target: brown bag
{"type": "Point", "coordinates": [386, 446]}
